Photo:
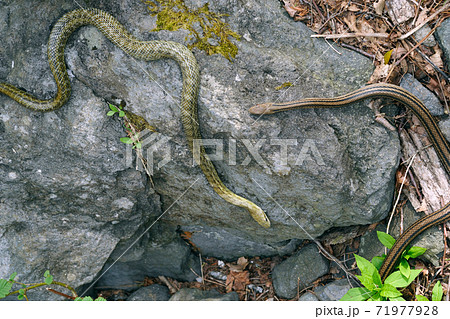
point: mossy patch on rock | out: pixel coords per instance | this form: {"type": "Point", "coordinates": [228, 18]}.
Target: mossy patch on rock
{"type": "Point", "coordinates": [212, 36]}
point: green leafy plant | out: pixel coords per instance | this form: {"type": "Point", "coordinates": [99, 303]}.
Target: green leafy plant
{"type": "Point", "coordinates": [115, 109]}
{"type": "Point", "coordinates": [6, 286]}
{"type": "Point", "coordinates": [133, 137]}
{"type": "Point", "coordinates": [370, 278]}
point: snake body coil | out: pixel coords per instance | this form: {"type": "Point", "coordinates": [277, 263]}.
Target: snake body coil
{"type": "Point", "coordinates": [384, 90]}
{"type": "Point", "coordinates": [144, 50]}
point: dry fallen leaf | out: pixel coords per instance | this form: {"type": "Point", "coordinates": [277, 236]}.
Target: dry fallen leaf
{"type": "Point", "coordinates": [400, 178]}
{"type": "Point", "coordinates": [437, 60]}
{"type": "Point", "coordinates": [240, 265]}
{"type": "Point", "coordinates": [237, 281]}
{"type": "Point", "coordinates": [397, 53]}
{"type": "Point", "coordinates": [380, 73]}
{"type": "Point", "coordinates": [291, 11]}
{"type": "Point", "coordinates": [353, 8]}
{"type": "Point", "coordinates": [423, 15]}
{"type": "Point", "coordinates": [379, 6]}
{"type": "Point", "coordinates": [351, 22]}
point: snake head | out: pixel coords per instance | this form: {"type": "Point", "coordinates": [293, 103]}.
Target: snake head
{"type": "Point", "coordinates": [259, 216]}
{"type": "Point", "coordinates": [260, 109]}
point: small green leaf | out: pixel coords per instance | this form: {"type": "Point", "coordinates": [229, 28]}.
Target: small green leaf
{"type": "Point", "coordinates": [421, 298]}
{"type": "Point", "coordinates": [368, 272]}
{"type": "Point", "coordinates": [126, 140]}
{"type": "Point", "coordinates": [113, 108]}
{"type": "Point", "coordinates": [367, 282]}
{"type": "Point", "coordinates": [397, 299]}
{"type": "Point", "coordinates": [13, 275]}
{"type": "Point", "coordinates": [377, 261]}
{"type": "Point", "coordinates": [404, 268]}
{"type": "Point", "coordinates": [121, 113]}
{"type": "Point", "coordinates": [48, 280]}
{"type": "Point", "coordinates": [47, 273]}
{"type": "Point", "coordinates": [357, 294]}
{"type": "Point", "coordinates": [22, 291]}
{"type": "Point", "coordinates": [376, 297]}
{"type": "Point", "coordinates": [5, 287]}
{"type": "Point", "coordinates": [389, 291]}
{"type": "Point", "coordinates": [415, 252]}
{"type": "Point", "coordinates": [387, 240]}
{"type": "Point", "coordinates": [20, 297]}
{"type": "Point", "coordinates": [138, 145]}
{"type": "Point", "coordinates": [110, 113]}
{"type": "Point", "coordinates": [396, 279]}
{"type": "Point", "coordinates": [437, 292]}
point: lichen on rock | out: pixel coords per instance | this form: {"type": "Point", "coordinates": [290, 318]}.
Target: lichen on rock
{"type": "Point", "coordinates": [213, 36]}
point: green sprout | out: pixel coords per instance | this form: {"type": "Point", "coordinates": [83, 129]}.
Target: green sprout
{"type": "Point", "coordinates": [375, 290]}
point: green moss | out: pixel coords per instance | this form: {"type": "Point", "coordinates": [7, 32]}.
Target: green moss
{"type": "Point", "coordinates": [208, 32]}
{"type": "Point", "coordinates": [284, 85]}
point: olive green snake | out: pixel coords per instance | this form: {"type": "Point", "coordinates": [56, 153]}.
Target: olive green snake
{"type": "Point", "coordinates": [143, 50]}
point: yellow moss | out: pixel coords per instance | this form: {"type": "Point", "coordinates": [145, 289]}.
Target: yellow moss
{"type": "Point", "coordinates": [284, 85]}
{"type": "Point", "coordinates": [214, 36]}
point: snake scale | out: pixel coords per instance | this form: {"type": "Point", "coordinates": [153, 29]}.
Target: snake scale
{"type": "Point", "coordinates": [143, 50]}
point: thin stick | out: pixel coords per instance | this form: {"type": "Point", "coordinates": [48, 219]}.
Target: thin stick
{"type": "Point", "coordinates": [445, 249]}
{"type": "Point", "coordinates": [172, 289]}
{"type": "Point", "coordinates": [443, 95]}
{"type": "Point", "coordinates": [331, 46]}
{"type": "Point", "coordinates": [318, 10]}
{"type": "Point", "coordinates": [448, 289]}
{"type": "Point", "coordinates": [399, 194]}
{"type": "Point", "coordinates": [435, 67]}
{"type": "Point", "coordinates": [350, 35]}
{"type": "Point", "coordinates": [201, 268]}
{"type": "Point", "coordinates": [60, 293]}
{"type": "Point", "coordinates": [351, 47]}
{"type": "Point", "coordinates": [328, 20]}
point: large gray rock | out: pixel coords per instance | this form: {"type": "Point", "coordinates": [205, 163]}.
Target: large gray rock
{"type": "Point", "coordinates": [299, 271]}
{"type": "Point", "coordinates": [432, 103]}
{"type": "Point", "coordinates": [333, 291]}
{"type": "Point", "coordinates": [230, 245]}
{"type": "Point", "coordinates": [150, 293]}
{"type": "Point", "coordinates": [443, 35]}
{"type": "Point", "coordinates": [160, 252]}
{"type": "Point", "coordinates": [69, 193]}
